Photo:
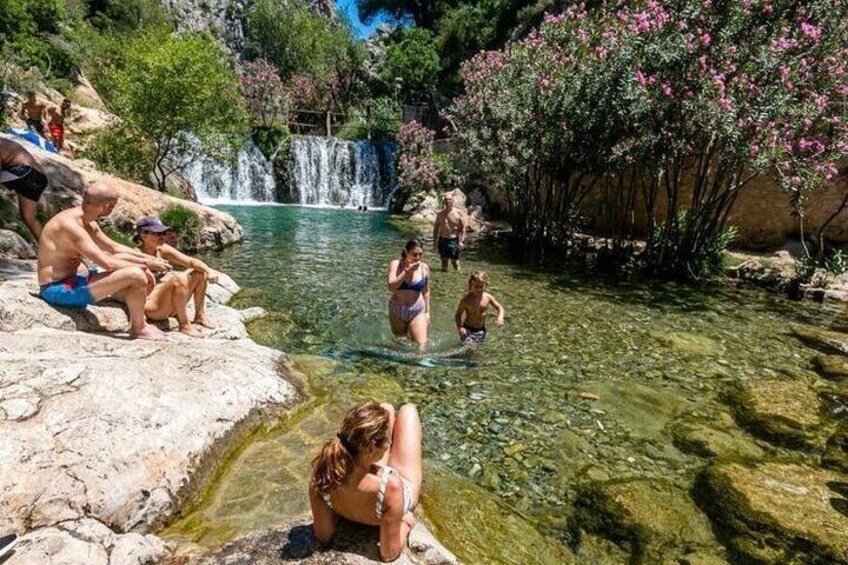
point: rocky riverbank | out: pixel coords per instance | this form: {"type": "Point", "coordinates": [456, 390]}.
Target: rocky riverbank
{"type": "Point", "coordinates": [103, 438]}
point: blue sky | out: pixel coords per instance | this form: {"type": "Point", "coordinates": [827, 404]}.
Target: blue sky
{"type": "Point", "coordinates": [361, 30]}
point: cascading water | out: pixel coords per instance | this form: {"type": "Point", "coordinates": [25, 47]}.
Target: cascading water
{"type": "Point", "coordinates": [246, 177]}
{"type": "Point", "coordinates": [320, 171]}
{"type": "Point", "coordinates": [328, 171]}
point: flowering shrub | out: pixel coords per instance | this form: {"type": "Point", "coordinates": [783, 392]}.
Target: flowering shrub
{"type": "Point", "coordinates": [418, 173]}
{"type": "Point", "coordinates": [263, 91]}
{"type": "Point", "coordinates": [647, 98]}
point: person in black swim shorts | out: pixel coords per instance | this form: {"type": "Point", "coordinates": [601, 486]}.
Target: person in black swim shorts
{"type": "Point", "coordinates": [19, 172]}
{"type": "Point", "coordinates": [33, 111]}
{"type": "Point", "coordinates": [449, 232]}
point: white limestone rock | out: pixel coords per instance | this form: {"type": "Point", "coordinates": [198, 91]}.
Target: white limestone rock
{"type": "Point", "coordinates": [98, 430]}
{"type": "Point", "coordinates": [86, 542]}
{"type": "Point", "coordinates": [13, 246]}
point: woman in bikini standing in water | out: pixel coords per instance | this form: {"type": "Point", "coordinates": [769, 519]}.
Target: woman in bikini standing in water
{"type": "Point", "coordinates": [409, 283]}
{"type": "Point", "coordinates": [370, 472]}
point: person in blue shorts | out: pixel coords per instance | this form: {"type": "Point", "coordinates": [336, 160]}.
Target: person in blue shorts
{"type": "Point", "coordinates": [73, 236]}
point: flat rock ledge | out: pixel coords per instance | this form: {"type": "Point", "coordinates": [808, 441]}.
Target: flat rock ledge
{"type": "Point", "coordinates": [353, 544]}
{"type": "Point", "coordinates": [102, 437]}
{"type": "Point", "coordinates": [778, 513]}
{"type": "Point", "coordinates": [786, 412]}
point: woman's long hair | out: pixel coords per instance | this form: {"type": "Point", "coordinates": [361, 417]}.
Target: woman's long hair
{"type": "Point", "coordinates": [365, 427]}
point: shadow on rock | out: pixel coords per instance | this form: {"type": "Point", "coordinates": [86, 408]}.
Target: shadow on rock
{"type": "Point", "coordinates": [300, 544]}
{"type": "Point", "coordinates": [350, 538]}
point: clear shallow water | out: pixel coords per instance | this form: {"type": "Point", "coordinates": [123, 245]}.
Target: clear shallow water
{"type": "Point", "coordinates": [509, 418]}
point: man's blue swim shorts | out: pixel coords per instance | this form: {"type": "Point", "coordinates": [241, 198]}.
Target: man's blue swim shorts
{"type": "Point", "coordinates": [71, 292]}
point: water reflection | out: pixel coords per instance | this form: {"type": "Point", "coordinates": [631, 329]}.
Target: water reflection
{"type": "Point", "coordinates": [511, 416]}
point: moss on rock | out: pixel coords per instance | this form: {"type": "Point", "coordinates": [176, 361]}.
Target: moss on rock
{"type": "Point", "coordinates": [836, 452]}
{"type": "Point", "coordinates": [644, 410]}
{"type": "Point", "coordinates": [479, 528]}
{"type": "Point", "coordinates": [783, 411]}
{"type": "Point", "coordinates": [776, 513]}
{"type": "Point", "coordinates": [824, 340]}
{"type": "Point", "coordinates": [654, 519]}
{"type": "Point", "coordinates": [685, 342]}
{"type": "Point", "coordinates": [834, 367]}
{"type": "Point", "coordinates": [714, 443]}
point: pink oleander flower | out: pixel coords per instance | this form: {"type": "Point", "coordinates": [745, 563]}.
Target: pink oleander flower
{"type": "Point", "coordinates": [810, 31]}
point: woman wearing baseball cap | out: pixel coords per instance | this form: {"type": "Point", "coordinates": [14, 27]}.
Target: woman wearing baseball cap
{"type": "Point", "coordinates": [172, 293]}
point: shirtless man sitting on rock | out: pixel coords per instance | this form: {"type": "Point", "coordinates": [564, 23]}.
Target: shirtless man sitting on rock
{"type": "Point", "coordinates": [73, 236]}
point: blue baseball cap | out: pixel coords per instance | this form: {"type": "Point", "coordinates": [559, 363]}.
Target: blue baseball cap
{"type": "Point", "coordinates": [151, 224]}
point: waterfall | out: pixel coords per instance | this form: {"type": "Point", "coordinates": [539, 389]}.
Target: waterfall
{"type": "Point", "coordinates": [245, 177]}
{"type": "Point", "coordinates": [328, 171]}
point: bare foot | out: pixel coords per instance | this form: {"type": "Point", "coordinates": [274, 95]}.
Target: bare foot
{"type": "Point", "coordinates": [150, 332]}
{"type": "Point", "coordinates": [203, 320]}
{"type": "Point", "coordinates": [188, 329]}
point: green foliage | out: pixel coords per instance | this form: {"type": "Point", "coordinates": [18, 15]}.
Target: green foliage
{"type": "Point", "coordinates": [122, 237]}
{"type": "Point", "coordinates": [269, 138]}
{"type": "Point", "coordinates": [837, 263]}
{"type": "Point", "coordinates": [185, 223]}
{"type": "Point", "coordinates": [424, 13]}
{"type": "Point", "coordinates": [411, 65]}
{"type": "Point", "coordinates": [122, 16]}
{"type": "Point", "coordinates": [32, 29]}
{"type": "Point", "coordinates": [385, 118]}
{"type": "Point", "coordinates": [707, 260]}
{"type": "Point", "coordinates": [354, 127]}
{"type": "Point", "coordinates": [164, 84]}
{"type": "Point", "coordinates": [320, 54]}
{"type": "Point", "coordinates": [121, 151]}
{"type": "Point", "coordinates": [382, 120]}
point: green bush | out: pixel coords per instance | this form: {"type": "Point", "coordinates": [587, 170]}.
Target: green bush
{"type": "Point", "coordinates": [707, 262]}
{"type": "Point", "coordinates": [121, 237]}
{"type": "Point", "coordinates": [837, 263]}
{"type": "Point", "coordinates": [354, 128]}
{"type": "Point", "coordinates": [163, 85]}
{"type": "Point", "coordinates": [186, 223]}
{"type": "Point", "coordinates": [385, 118]}
{"type": "Point", "coordinates": [269, 138]}
{"type": "Point", "coordinates": [122, 152]}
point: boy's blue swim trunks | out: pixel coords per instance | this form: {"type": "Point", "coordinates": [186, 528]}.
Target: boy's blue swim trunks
{"type": "Point", "coordinates": [71, 292]}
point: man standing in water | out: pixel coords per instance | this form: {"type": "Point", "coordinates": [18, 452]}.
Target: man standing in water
{"type": "Point", "coordinates": [449, 233]}
{"type": "Point", "coordinates": [73, 236]}
{"type": "Point", "coordinates": [19, 172]}
{"type": "Point", "coordinates": [33, 112]}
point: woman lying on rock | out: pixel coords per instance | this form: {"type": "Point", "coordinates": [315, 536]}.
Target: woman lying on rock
{"type": "Point", "coordinates": [172, 292]}
{"type": "Point", "coordinates": [370, 472]}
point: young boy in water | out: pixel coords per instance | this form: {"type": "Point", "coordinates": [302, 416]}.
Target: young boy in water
{"type": "Point", "coordinates": [474, 306]}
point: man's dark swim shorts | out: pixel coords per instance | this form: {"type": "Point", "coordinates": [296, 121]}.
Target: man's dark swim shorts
{"type": "Point", "coordinates": [25, 180]}
{"type": "Point", "coordinates": [449, 248]}
{"type": "Point", "coordinates": [35, 125]}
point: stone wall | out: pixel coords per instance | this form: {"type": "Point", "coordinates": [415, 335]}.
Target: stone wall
{"type": "Point", "coordinates": [762, 213]}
